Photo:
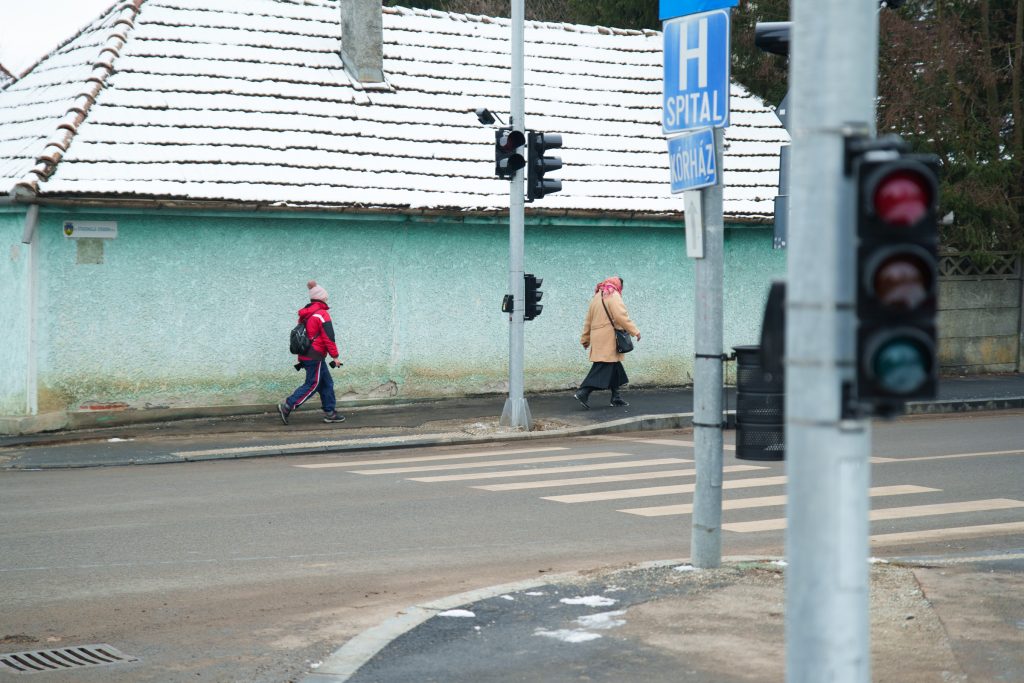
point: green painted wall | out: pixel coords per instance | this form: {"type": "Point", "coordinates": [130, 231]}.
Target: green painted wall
{"type": "Point", "coordinates": [185, 309]}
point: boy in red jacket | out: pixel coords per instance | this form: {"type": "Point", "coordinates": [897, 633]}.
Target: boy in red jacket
{"type": "Point", "coordinates": [318, 378]}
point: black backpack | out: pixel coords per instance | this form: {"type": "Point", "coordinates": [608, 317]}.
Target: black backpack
{"type": "Point", "coordinates": [299, 342]}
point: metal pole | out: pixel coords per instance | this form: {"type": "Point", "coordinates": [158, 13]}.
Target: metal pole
{"type": "Point", "coordinates": [706, 531]}
{"type": "Point", "coordinates": [516, 412]}
{"type": "Point", "coordinates": [832, 75]}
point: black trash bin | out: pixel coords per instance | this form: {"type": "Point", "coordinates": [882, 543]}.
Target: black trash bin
{"type": "Point", "coordinates": [760, 408]}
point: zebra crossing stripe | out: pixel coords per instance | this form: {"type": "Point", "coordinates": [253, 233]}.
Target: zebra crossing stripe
{"type": "Point", "coordinates": [491, 463]}
{"type": "Point", "coordinates": [431, 458]}
{"type": "Point", "coordinates": [905, 537]}
{"type": "Point", "coordinates": [766, 501]}
{"type": "Point", "coordinates": [658, 442]}
{"type": "Point", "coordinates": [893, 513]}
{"type": "Point", "coordinates": [661, 490]}
{"type": "Point", "coordinates": [980, 454]}
{"type": "Point", "coordinates": [552, 470]}
{"type": "Point", "coordinates": [606, 479]}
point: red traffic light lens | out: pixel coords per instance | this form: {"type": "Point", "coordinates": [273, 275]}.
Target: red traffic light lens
{"type": "Point", "coordinates": [902, 197]}
{"type": "Point", "coordinates": [511, 140]}
{"type": "Point", "coordinates": [903, 281]}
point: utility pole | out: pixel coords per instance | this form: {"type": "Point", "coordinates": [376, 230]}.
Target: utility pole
{"type": "Point", "coordinates": [706, 526]}
{"type": "Point", "coordinates": [833, 71]}
{"type": "Point", "coordinates": [516, 412]}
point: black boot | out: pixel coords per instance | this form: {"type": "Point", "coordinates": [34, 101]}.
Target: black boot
{"type": "Point", "coordinates": [582, 394]}
{"type": "Point", "coordinates": [617, 399]}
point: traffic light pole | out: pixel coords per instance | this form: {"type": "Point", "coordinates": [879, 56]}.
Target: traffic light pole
{"type": "Point", "coordinates": [706, 524]}
{"type": "Point", "coordinates": [516, 412]}
{"type": "Point", "coordinates": [833, 73]}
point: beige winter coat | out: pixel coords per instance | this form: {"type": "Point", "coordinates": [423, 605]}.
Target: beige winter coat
{"type": "Point", "coordinates": [597, 330]}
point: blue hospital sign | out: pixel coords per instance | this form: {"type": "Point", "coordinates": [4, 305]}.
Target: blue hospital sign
{"type": "Point", "coordinates": [696, 72]}
{"type": "Point", "coordinates": [691, 160]}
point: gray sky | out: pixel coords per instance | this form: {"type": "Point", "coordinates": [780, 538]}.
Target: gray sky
{"type": "Point", "coordinates": [31, 29]}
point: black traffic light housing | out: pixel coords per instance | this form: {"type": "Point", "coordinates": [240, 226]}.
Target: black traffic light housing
{"type": "Point", "coordinates": [533, 296]}
{"type": "Point", "coordinates": [773, 36]}
{"type": "Point", "coordinates": [507, 159]}
{"type": "Point", "coordinates": [538, 144]}
{"type": "Point", "coordinates": [897, 275]}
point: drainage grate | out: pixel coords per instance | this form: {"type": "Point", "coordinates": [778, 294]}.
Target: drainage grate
{"type": "Point", "coordinates": [38, 661]}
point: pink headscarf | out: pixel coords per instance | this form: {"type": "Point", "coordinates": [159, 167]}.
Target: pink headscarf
{"type": "Point", "coordinates": [609, 285]}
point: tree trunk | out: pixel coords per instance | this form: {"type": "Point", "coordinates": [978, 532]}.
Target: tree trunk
{"type": "Point", "coordinates": [1018, 111]}
{"type": "Point", "coordinates": [988, 74]}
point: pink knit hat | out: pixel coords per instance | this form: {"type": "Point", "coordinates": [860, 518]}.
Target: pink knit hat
{"type": "Point", "coordinates": [316, 292]}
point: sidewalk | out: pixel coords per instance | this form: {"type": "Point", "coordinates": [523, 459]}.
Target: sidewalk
{"type": "Point", "coordinates": [403, 424]}
{"type": "Point", "coordinates": [665, 622]}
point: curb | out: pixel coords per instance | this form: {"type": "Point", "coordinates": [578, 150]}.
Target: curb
{"type": "Point", "coordinates": [350, 657]}
{"type": "Point", "coordinates": [642, 423]}
{"type": "Point", "coordinates": [629, 424]}
{"type": "Point", "coordinates": [964, 405]}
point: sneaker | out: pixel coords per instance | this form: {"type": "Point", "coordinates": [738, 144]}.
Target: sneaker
{"type": "Point", "coordinates": [618, 401]}
{"type": "Point", "coordinates": [582, 398]}
{"type": "Point", "coordinates": [334, 417]}
{"type": "Point", "coordinates": [283, 410]}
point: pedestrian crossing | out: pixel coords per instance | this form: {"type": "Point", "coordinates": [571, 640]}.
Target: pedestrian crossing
{"type": "Point", "coordinates": [637, 460]}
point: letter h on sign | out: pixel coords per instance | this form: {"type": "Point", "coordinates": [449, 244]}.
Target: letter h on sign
{"type": "Point", "coordinates": [700, 53]}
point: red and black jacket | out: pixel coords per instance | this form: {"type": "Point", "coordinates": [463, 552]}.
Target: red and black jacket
{"type": "Point", "coordinates": [320, 330]}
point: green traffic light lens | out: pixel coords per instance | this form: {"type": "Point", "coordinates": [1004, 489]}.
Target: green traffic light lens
{"type": "Point", "coordinates": [901, 366]}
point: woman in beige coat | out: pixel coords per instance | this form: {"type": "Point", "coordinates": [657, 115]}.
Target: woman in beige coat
{"type": "Point", "coordinates": [606, 313]}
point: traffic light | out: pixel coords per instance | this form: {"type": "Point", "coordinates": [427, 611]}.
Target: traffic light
{"type": "Point", "coordinates": [773, 36]}
{"type": "Point", "coordinates": [533, 296]}
{"type": "Point", "coordinates": [507, 159]}
{"type": "Point", "coordinates": [536, 184]}
{"type": "Point", "coordinates": [897, 276]}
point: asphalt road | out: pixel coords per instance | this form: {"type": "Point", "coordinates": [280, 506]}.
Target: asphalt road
{"type": "Point", "coordinates": [252, 570]}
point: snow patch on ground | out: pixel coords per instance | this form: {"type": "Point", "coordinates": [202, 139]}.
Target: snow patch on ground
{"type": "Point", "coordinates": [685, 568]}
{"type": "Point", "coordinates": [602, 620]}
{"type": "Point", "coordinates": [456, 613]}
{"type": "Point", "coordinates": [589, 601]}
{"type": "Point", "coordinates": [568, 635]}
{"type": "Point", "coordinates": [589, 623]}
{"type": "Point", "coordinates": [535, 593]}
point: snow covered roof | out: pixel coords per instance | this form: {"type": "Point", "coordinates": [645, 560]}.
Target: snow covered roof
{"type": "Point", "coordinates": [246, 102]}
{"type": "Point", "coordinates": [5, 76]}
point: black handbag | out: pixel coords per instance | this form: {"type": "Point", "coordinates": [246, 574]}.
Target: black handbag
{"type": "Point", "coordinates": [623, 342]}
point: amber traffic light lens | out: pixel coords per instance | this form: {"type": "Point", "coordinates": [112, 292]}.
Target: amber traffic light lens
{"type": "Point", "coordinates": [902, 282]}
